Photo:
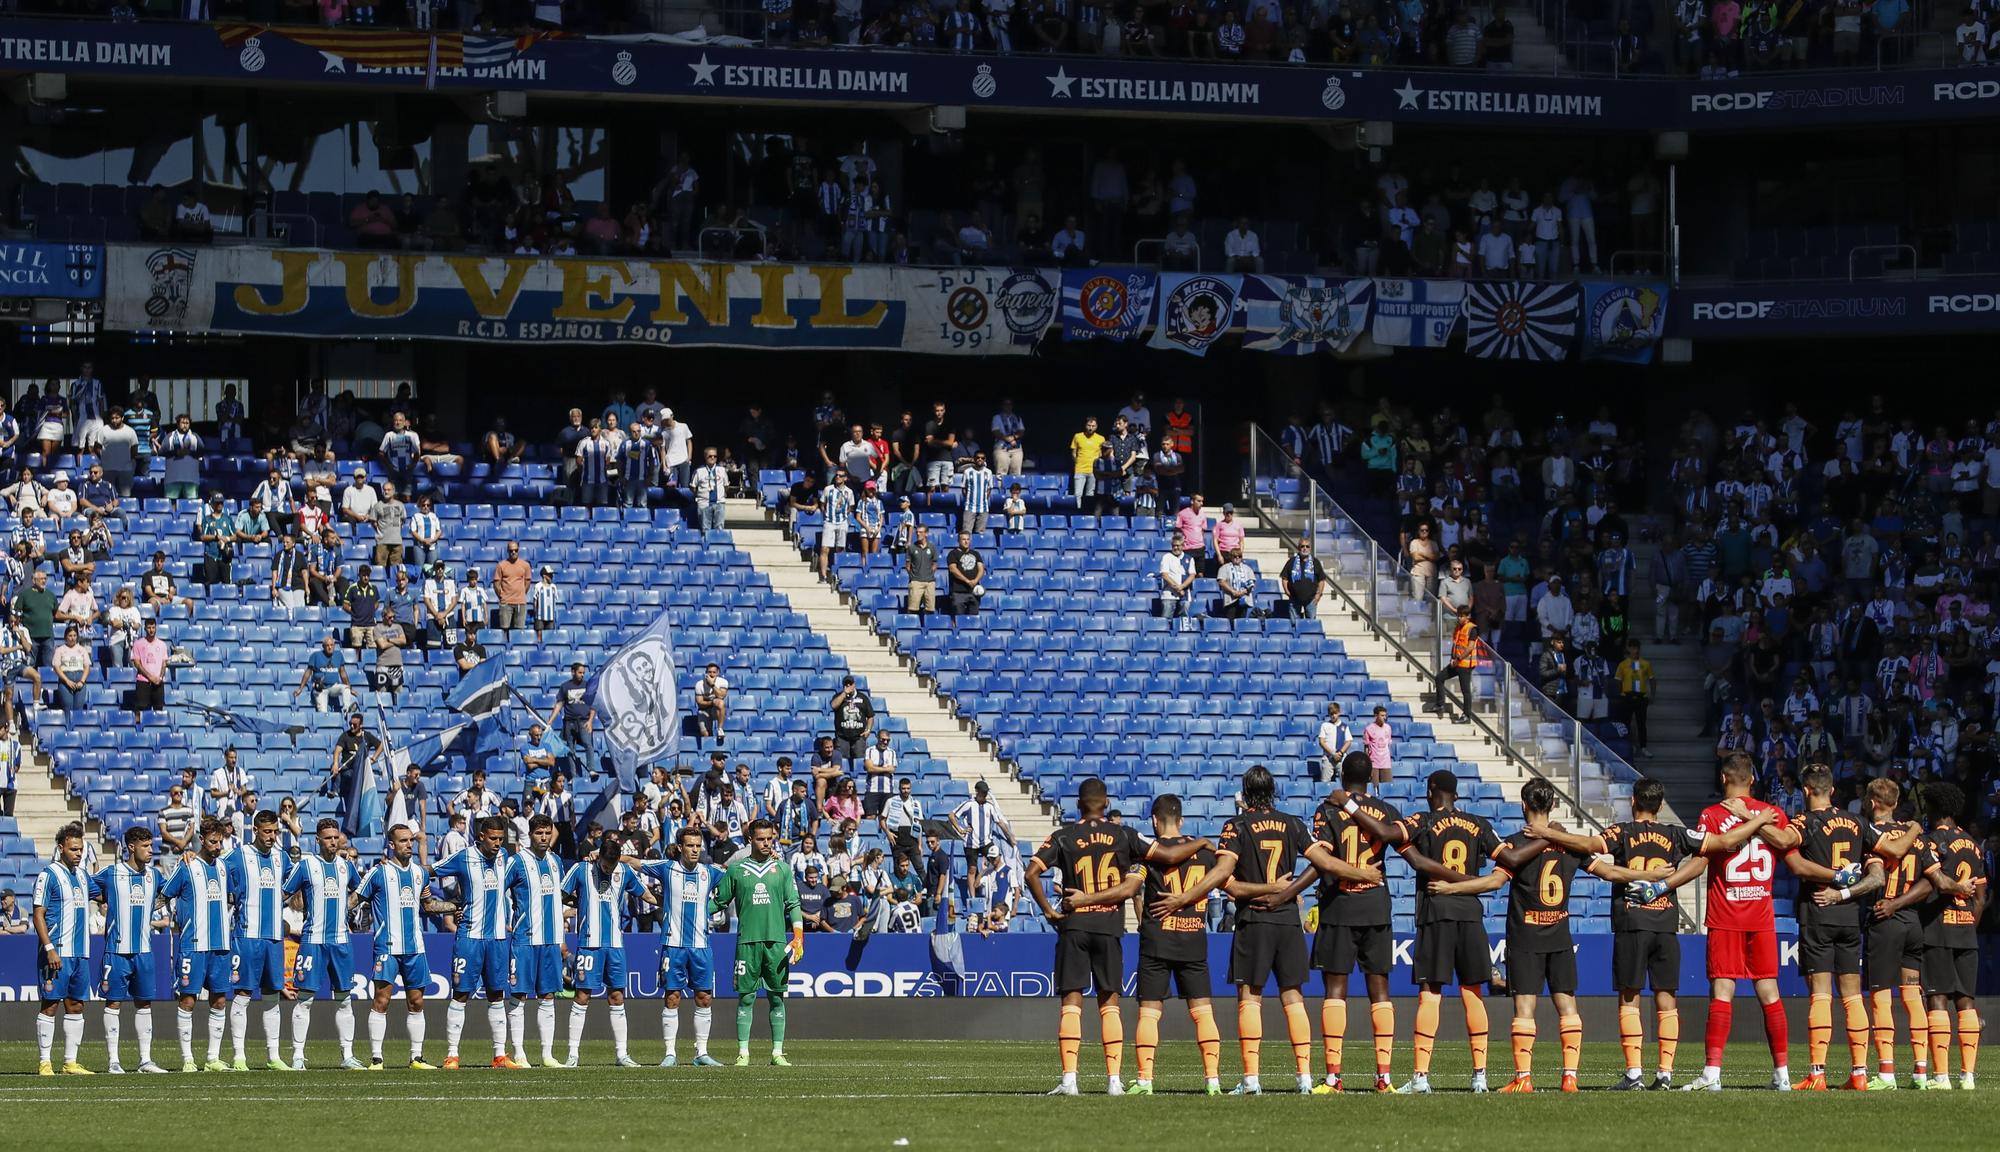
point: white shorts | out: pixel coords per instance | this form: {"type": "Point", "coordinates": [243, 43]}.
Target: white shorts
{"type": "Point", "coordinates": [833, 536]}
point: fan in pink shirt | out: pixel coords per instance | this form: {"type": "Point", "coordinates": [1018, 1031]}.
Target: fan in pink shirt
{"type": "Point", "coordinates": [1192, 524]}
{"type": "Point", "coordinates": [1228, 532]}
{"type": "Point", "coordinates": [1375, 740]}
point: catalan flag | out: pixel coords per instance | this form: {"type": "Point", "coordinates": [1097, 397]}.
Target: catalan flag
{"type": "Point", "coordinates": [377, 48]}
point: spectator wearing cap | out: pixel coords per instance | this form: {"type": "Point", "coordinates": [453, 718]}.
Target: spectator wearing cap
{"type": "Point", "coordinates": [510, 590]}
{"type": "Point", "coordinates": [977, 493]}
{"type": "Point", "coordinates": [711, 702]}
{"type": "Point", "coordinates": [1228, 532]}
{"type": "Point", "coordinates": [572, 709]}
{"type": "Point", "coordinates": [358, 499]}
{"type": "Point", "coordinates": [676, 449]}
{"type": "Point", "coordinates": [182, 449]}
{"type": "Point", "coordinates": [1237, 582]}
{"type": "Point", "coordinates": [544, 603]}
{"type": "Point", "coordinates": [216, 529]}
{"type": "Point", "coordinates": [60, 500]}
{"type": "Point", "coordinates": [363, 602]}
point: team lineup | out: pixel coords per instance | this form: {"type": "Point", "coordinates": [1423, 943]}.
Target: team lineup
{"type": "Point", "coordinates": [514, 912]}
{"type": "Point", "coordinates": [1886, 915]}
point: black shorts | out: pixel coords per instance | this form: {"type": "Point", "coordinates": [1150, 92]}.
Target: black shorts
{"type": "Point", "coordinates": [1086, 960]}
{"type": "Point", "coordinates": [848, 749]}
{"type": "Point", "coordinates": [1452, 947]}
{"type": "Point", "coordinates": [1263, 950]}
{"type": "Point", "coordinates": [1529, 972]}
{"type": "Point", "coordinates": [1337, 947]}
{"type": "Point", "coordinates": [1834, 948]}
{"type": "Point", "coordinates": [1187, 979]}
{"type": "Point", "coordinates": [148, 697]}
{"type": "Point", "coordinates": [872, 803]}
{"type": "Point", "coordinates": [1951, 971]}
{"type": "Point", "coordinates": [1893, 945]}
{"type": "Point", "coordinates": [1646, 960]}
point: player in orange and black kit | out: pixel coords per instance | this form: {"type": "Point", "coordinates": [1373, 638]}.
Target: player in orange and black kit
{"type": "Point", "coordinates": [1446, 844]}
{"type": "Point", "coordinates": [1645, 940]}
{"type": "Point", "coordinates": [1098, 862]}
{"type": "Point", "coordinates": [1951, 941]}
{"type": "Point", "coordinates": [1354, 926]}
{"type": "Point", "coordinates": [1261, 847]}
{"type": "Point", "coordinates": [1837, 866]}
{"type": "Point", "coordinates": [1894, 947]}
{"type": "Point", "coordinates": [1540, 952]}
{"type": "Point", "coordinates": [1173, 949]}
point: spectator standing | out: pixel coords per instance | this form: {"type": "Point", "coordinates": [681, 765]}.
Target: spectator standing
{"type": "Point", "coordinates": [711, 491]}
{"type": "Point", "coordinates": [182, 448]}
{"type": "Point", "coordinates": [903, 820]}
{"type": "Point", "coordinates": [72, 665]}
{"type": "Point", "coordinates": [1635, 686]}
{"type": "Point", "coordinates": [1335, 741]}
{"type": "Point", "coordinates": [510, 590]}
{"type": "Point", "coordinates": [853, 719]}
{"type": "Point", "coordinates": [676, 450]}
{"type": "Point", "coordinates": [966, 569]}
{"type": "Point", "coordinates": [1305, 581]}
{"type": "Point", "coordinates": [1548, 222]}
{"type": "Point", "coordinates": [1378, 741]}
{"type": "Point", "coordinates": [34, 608]}
{"type": "Point", "coordinates": [390, 515]}
{"type": "Point", "coordinates": [878, 764]}
{"type": "Point", "coordinates": [1008, 432]}
{"type": "Point", "coordinates": [1177, 576]}
{"type": "Point", "coordinates": [920, 563]}
{"type": "Point", "coordinates": [977, 487]}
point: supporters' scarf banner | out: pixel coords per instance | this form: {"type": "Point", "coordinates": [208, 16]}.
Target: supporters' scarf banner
{"type": "Point", "coordinates": [837, 966]}
{"type": "Point", "coordinates": [1196, 310]}
{"type": "Point", "coordinates": [637, 697]}
{"type": "Point", "coordinates": [502, 299]}
{"type": "Point", "coordinates": [1300, 315]}
{"type": "Point", "coordinates": [1623, 321]}
{"type": "Point", "coordinates": [977, 311]}
{"type": "Point", "coordinates": [60, 271]}
{"type": "Point", "coordinates": [693, 68]}
{"type": "Point", "coordinates": [1520, 320]}
{"type": "Point", "coordinates": [1416, 313]}
{"type": "Point", "coordinates": [1107, 303]}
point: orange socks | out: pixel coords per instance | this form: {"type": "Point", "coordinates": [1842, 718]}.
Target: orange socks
{"type": "Point", "coordinates": [1250, 1035]}
{"type": "Point", "coordinates": [1670, 1038]}
{"type": "Point", "coordinates": [1333, 1031]}
{"type": "Point", "coordinates": [1298, 1027]}
{"type": "Point", "coordinates": [1940, 1032]}
{"type": "Point", "coordinates": [1524, 1046]}
{"type": "Point", "coordinates": [1572, 1042]}
{"type": "Point", "coordinates": [1920, 1040]}
{"type": "Point", "coordinates": [1475, 1025]}
{"type": "Point", "coordinates": [1968, 1040]}
{"type": "Point", "coordinates": [1856, 1011]}
{"type": "Point", "coordinates": [1112, 1025]}
{"type": "Point", "coordinates": [1882, 1000]}
{"type": "Point", "coordinates": [1146, 1041]}
{"type": "Point", "coordinates": [1819, 1029]}
{"type": "Point", "coordinates": [1631, 1034]}
{"type": "Point", "coordinates": [1210, 1039]}
{"type": "Point", "coordinates": [1425, 1038]}
{"type": "Point", "coordinates": [1069, 1036]}
{"type": "Point", "coordinates": [1382, 1017]}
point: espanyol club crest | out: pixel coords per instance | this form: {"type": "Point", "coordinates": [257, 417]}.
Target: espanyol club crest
{"type": "Point", "coordinates": [1027, 303]}
{"type": "Point", "coordinates": [172, 270]}
{"type": "Point", "coordinates": [251, 58]}
{"type": "Point", "coordinates": [1197, 312]}
{"type": "Point", "coordinates": [1625, 318]}
{"type": "Point", "coordinates": [624, 72]}
{"type": "Point", "coordinates": [983, 83]}
{"type": "Point", "coordinates": [1333, 97]}
{"type": "Point", "coordinates": [1315, 315]}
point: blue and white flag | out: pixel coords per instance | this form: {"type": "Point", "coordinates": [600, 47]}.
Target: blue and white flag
{"type": "Point", "coordinates": [246, 723]}
{"type": "Point", "coordinates": [1623, 321]}
{"type": "Point", "coordinates": [426, 752]}
{"type": "Point", "coordinates": [637, 696]}
{"type": "Point", "coordinates": [1107, 303]}
{"type": "Point", "coordinates": [1520, 320]}
{"type": "Point", "coordinates": [1416, 313]}
{"type": "Point", "coordinates": [1196, 310]}
{"type": "Point", "coordinates": [483, 691]}
{"type": "Point", "coordinates": [1300, 315]}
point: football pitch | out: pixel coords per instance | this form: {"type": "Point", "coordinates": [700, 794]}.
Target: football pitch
{"type": "Point", "coordinates": [946, 1094]}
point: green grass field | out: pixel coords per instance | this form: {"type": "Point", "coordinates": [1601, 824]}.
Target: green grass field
{"type": "Point", "coordinates": [936, 1095]}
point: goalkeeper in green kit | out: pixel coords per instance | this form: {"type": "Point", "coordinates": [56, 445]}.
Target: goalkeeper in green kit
{"type": "Point", "coordinates": [770, 934]}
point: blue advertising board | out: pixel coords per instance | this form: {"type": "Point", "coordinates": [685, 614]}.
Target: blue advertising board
{"type": "Point", "coordinates": [30, 268]}
{"type": "Point", "coordinates": [890, 964]}
{"type": "Point", "coordinates": [1958, 304]}
{"type": "Point", "coordinates": [183, 53]}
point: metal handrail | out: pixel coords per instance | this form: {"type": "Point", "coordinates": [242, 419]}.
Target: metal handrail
{"type": "Point", "coordinates": [1910, 248]}
{"type": "Point", "coordinates": [1260, 442]}
{"type": "Point", "coordinates": [1945, 45]}
{"type": "Point", "coordinates": [1160, 242]}
{"type": "Point", "coordinates": [1634, 254]}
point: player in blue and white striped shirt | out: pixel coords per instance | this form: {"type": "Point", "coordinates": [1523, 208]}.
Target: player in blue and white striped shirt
{"type": "Point", "coordinates": [325, 883]}
{"type": "Point", "coordinates": [260, 938]}
{"type": "Point", "coordinates": [394, 890]}
{"type": "Point", "coordinates": [482, 955]}
{"type": "Point", "coordinates": [600, 890]}
{"type": "Point", "coordinates": [205, 893]}
{"type": "Point", "coordinates": [686, 964]}
{"type": "Point", "coordinates": [534, 881]}
{"type": "Point", "coordinates": [129, 888]}
{"type": "Point", "coordinates": [62, 928]}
